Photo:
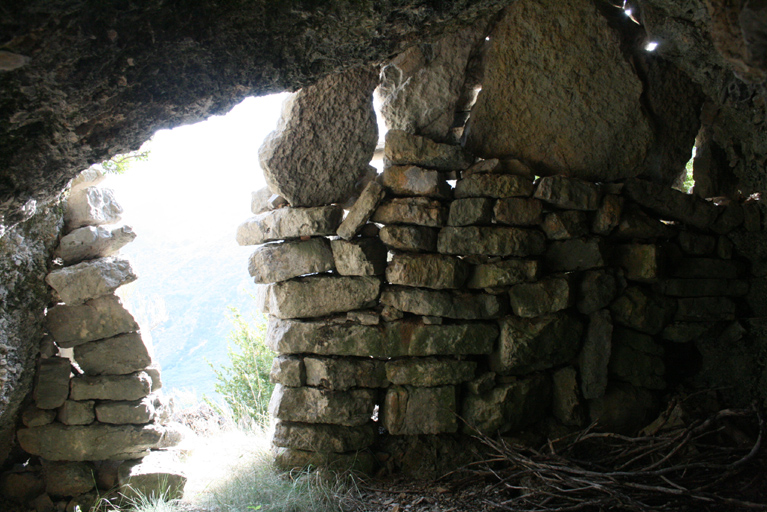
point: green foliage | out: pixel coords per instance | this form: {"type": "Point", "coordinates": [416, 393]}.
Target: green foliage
{"type": "Point", "coordinates": [689, 181]}
{"type": "Point", "coordinates": [118, 164]}
{"type": "Point", "coordinates": [244, 384]}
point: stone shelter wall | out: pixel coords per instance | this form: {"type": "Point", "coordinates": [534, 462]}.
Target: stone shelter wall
{"type": "Point", "coordinates": [503, 304]}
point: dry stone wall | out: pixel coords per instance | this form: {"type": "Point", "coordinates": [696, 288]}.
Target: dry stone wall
{"type": "Point", "coordinates": [96, 410]}
{"type": "Point", "coordinates": [502, 304]}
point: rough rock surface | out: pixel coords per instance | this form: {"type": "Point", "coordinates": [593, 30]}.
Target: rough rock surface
{"type": "Point", "coordinates": [323, 438]}
{"type": "Point", "coordinates": [508, 406]}
{"type": "Point", "coordinates": [435, 271]}
{"type": "Point", "coordinates": [403, 148]}
{"type": "Point", "coordinates": [111, 387]}
{"type": "Point", "coordinates": [287, 223]}
{"type": "Point", "coordinates": [77, 413]}
{"type": "Point", "coordinates": [90, 279]}
{"type": "Point", "coordinates": [559, 93]}
{"type": "Point", "coordinates": [91, 206]}
{"type": "Point", "coordinates": [311, 165]}
{"type": "Point", "coordinates": [429, 371]}
{"type": "Point", "coordinates": [311, 405]}
{"type": "Point", "coordinates": [68, 478]}
{"type": "Point", "coordinates": [91, 242]}
{"type": "Point", "coordinates": [342, 374]}
{"type": "Point", "coordinates": [491, 241]}
{"type": "Point", "coordinates": [137, 412]}
{"type": "Point", "coordinates": [359, 257]}
{"type": "Point", "coordinates": [96, 319]}
{"type": "Point", "coordinates": [459, 305]}
{"type": "Point", "coordinates": [119, 355]}
{"type": "Point", "coordinates": [271, 263]}
{"type": "Point", "coordinates": [155, 477]}
{"type": "Point", "coordinates": [409, 180]}
{"type": "Point", "coordinates": [493, 185]}
{"type": "Point", "coordinates": [362, 210]}
{"type": "Point", "coordinates": [321, 295]}
{"type": "Point", "coordinates": [411, 210]}
{"type": "Point", "coordinates": [503, 273]}
{"type": "Point", "coordinates": [51, 382]}
{"type": "Point", "coordinates": [471, 210]}
{"type": "Point", "coordinates": [412, 411]}
{"type": "Point", "coordinates": [595, 354]}
{"type": "Point", "coordinates": [410, 238]}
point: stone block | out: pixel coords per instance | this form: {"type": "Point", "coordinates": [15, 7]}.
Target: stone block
{"type": "Point", "coordinates": [77, 413]}
{"type": "Point", "coordinates": [59, 442]}
{"type": "Point", "coordinates": [32, 416]}
{"type": "Point", "coordinates": [153, 371]}
{"type": "Point", "coordinates": [470, 211]}
{"type": "Point", "coordinates": [413, 411]}
{"type": "Point", "coordinates": [90, 177]}
{"type": "Point", "coordinates": [111, 387]}
{"type": "Point", "coordinates": [312, 405]}
{"type": "Point", "coordinates": [21, 485]}
{"type": "Point", "coordinates": [752, 217]}
{"type": "Point", "coordinates": [528, 345]}
{"type": "Point", "coordinates": [321, 295]}
{"type": "Point", "coordinates": [594, 357]}
{"type": "Point", "coordinates": [481, 384]}
{"type": "Point", "coordinates": [289, 459]}
{"type": "Point", "coordinates": [342, 374]}
{"type": "Point", "coordinates": [643, 310]}
{"type": "Point", "coordinates": [435, 271]}
{"type": "Point", "coordinates": [402, 148]}
{"type": "Point", "coordinates": [409, 180]}
{"type": "Point", "coordinates": [359, 257]}
{"type": "Point", "coordinates": [364, 317]}
{"type": "Point", "coordinates": [503, 273]}
{"type": "Point", "coordinates": [597, 290]}
{"type": "Point", "coordinates": [272, 263]}
{"type": "Point", "coordinates": [491, 241]}
{"type": "Point", "coordinates": [608, 215]}
{"type": "Point", "coordinates": [623, 409]}
{"type": "Point", "coordinates": [491, 165]}
{"type": "Point", "coordinates": [696, 244]}
{"type": "Point", "coordinates": [119, 355]}
{"type": "Point", "coordinates": [566, 403]}
{"type": "Point", "coordinates": [51, 386]}
{"type": "Point", "coordinates": [288, 371]}
{"type": "Point", "coordinates": [91, 242]}
{"type": "Point", "coordinates": [90, 279]}
{"type": "Point", "coordinates": [564, 225]}
{"type": "Point", "coordinates": [543, 297]}
{"type": "Point", "coordinates": [702, 287]}
{"type": "Point", "coordinates": [362, 210]}
{"type": "Point", "coordinates": [410, 238]}
{"type": "Point", "coordinates": [429, 371]}
{"type": "Point", "coordinates": [135, 412]}
{"type": "Point", "coordinates": [91, 206]}
{"type": "Point", "coordinates": [635, 358]}
{"type": "Point", "coordinates": [640, 262]}
{"type": "Point", "coordinates": [459, 305]}
{"type": "Point", "coordinates": [259, 200]}
{"type": "Point", "coordinates": [671, 204]}
{"type": "Point", "coordinates": [96, 319]}
{"type": "Point", "coordinates": [518, 211]}
{"type": "Point", "coordinates": [156, 478]}
{"type": "Point", "coordinates": [288, 223]}
{"type": "Point", "coordinates": [494, 185]}
{"type": "Point", "coordinates": [636, 224]}
{"type": "Point", "coordinates": [420, 211]}
{"type": "Point", "coordinates": [705, 309]}
{"type": "Point", "coordinates": [692, 268]}
{"type": "Point", "coordinates": [568, 193]}
{"type": "Point", "coordinates": [510, 406]}
{"type": "Point", "coordinates": [68, 478]}
{"type": "Point", "coordinates": [323, 438]}
{"type": "Point", "coordinates": [576, 254]}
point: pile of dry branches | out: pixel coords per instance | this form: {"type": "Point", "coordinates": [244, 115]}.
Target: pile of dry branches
{"type": "Point", "coordinates": [712, 464]}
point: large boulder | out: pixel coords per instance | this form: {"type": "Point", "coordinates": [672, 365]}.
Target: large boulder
{"type": "Point", "coordinates": [324, 140]}
{"type": "Point", "coordinates": [559, 93]}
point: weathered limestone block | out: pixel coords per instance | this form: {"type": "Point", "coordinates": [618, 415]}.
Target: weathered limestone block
{"type": "Point", "coordinates": [693, 268]}
{"type": "Point", "coordinates": [311, 405]}
{"type": "Point", "coordinates": [510, 406]}
{"type": "Point", "coordinates": [608, 215]}
{"type": "Point", "coordinates": [403, 148]}
{"type": "Point", "coordinates": [429, 371]}
{"type": "Point", "coordinates": [288, 371]}
{"type": "Point", "coordinates": [636, 224]}
{"type": "Point", "coordinates": [155, 477]}
{"type": "Point", "coordinates": [342, 374]}
{"type": "Point", "coordinates": [594, 358]}
{"type": "Point", "coordinates": [568, 193]}
{"type": "Point", "coordinates": [518, 211]}
{"type": "Point", "coordinates": [92, 242]}
{"type": "Point", "coordinates": [288, 459]}
{"type": "Point", "coordinates": [90, 177]}
{"type": "Point", "coordinates": [503, 273]}
{"type": "Point", "coordinates": [470, 211]}
{"type": "Point", "coordinates": [287, 223]}
{"type": "Point", "coordinates": [623, 409]}
{"type": "Point", "coordinates": [362, 210]}
{"type": "Point", "coordinates": [93, 442]}
{"type": "Point", "coordinates": [364, 317]}
{"type": "Point", "coordinates": [32, 416]}
{"type": "Point", "coordinates": [90, 279]}
{"type": "Point", "coordinates": [543, 297]}
{"type": "Point", "coordinates": [575, 254]}
{"type": "Point", "coordinates": [410, 238]}
{"type": "Point", "coordinates": [566, 404]}
{"type": "Point", "coordinates": [91, 206]}
{"type": "Point", "coordinates": [96, 319]}
{"type": "Point", "coordinates": [77, 413]}
{"type": "Point", "coordinates": [411, 210]}
{"type": "Point", "coordinates": [640, 262]}
{"type": "Point", "coordinates": [527, 345]}
{"type": "Point", "coordinates": [136, 412]}
{"type": "Point", "coordinates": [412, 411]}
{"type": "Point", "coordinates": [570, 113]}
{"type": "Point", "coordinates": [323, 438]}
{"type": "Point", "coordinates": [705, 309]}
{"type": "Point", "coordinates": [259, 200]}
{"type": "Point", "coordinates": [359, 257]}
{"type": "Point", "coordinates": [672, 204]}
{"type": "Point", "coordinates": [635, 358]}
{"type": "Point", "coordinates": [306, 162]}
{"type": "Point", "coordinates": [51, 382]}
{"type": "Point", "coordinates": [68, 478]}
{"type": "Point", "coordinates": [321, 295]}
{"type": "Point", "coordinates": [491, 165]}
{"type": "Point", "coordinates": [702, 287]}
{"type": "Point", "coordinates": [111, 387]}
{"type": "Point", "coordinates": [696, 244]}
{"type": "Point", "coordinates": [598, 288]}
{"type": "Point", "coordinates": [565, 225]}
{"type": "Point", "coordinates": [461, 305]}
{"type": "Point", "coordinates": [498, 186]}
{"type": "Point", "coordinates": [409, 180]}
{"type": "Point", "coordinates": [154, 373]}
{"type": "Point", "coordinates": [435, 271]}
{"type": "Point", "coordinates": [276, 262]}
{"type": "Point", "coordinates": [401, 338]}
{"type": "Point", "coordinates": [119, 355]}
{"type": "Point", "coordinates": [481, 384]}
{"type": "Point", "coordinates": [491, 241]}
{"type": "Point", "coordinates": [643, 310]}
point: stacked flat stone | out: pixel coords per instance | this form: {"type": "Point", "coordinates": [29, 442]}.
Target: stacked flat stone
{"type": "Point", "coordinates": [95, 397]}
{"type": "Point", "coordinates": [511, 303]}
